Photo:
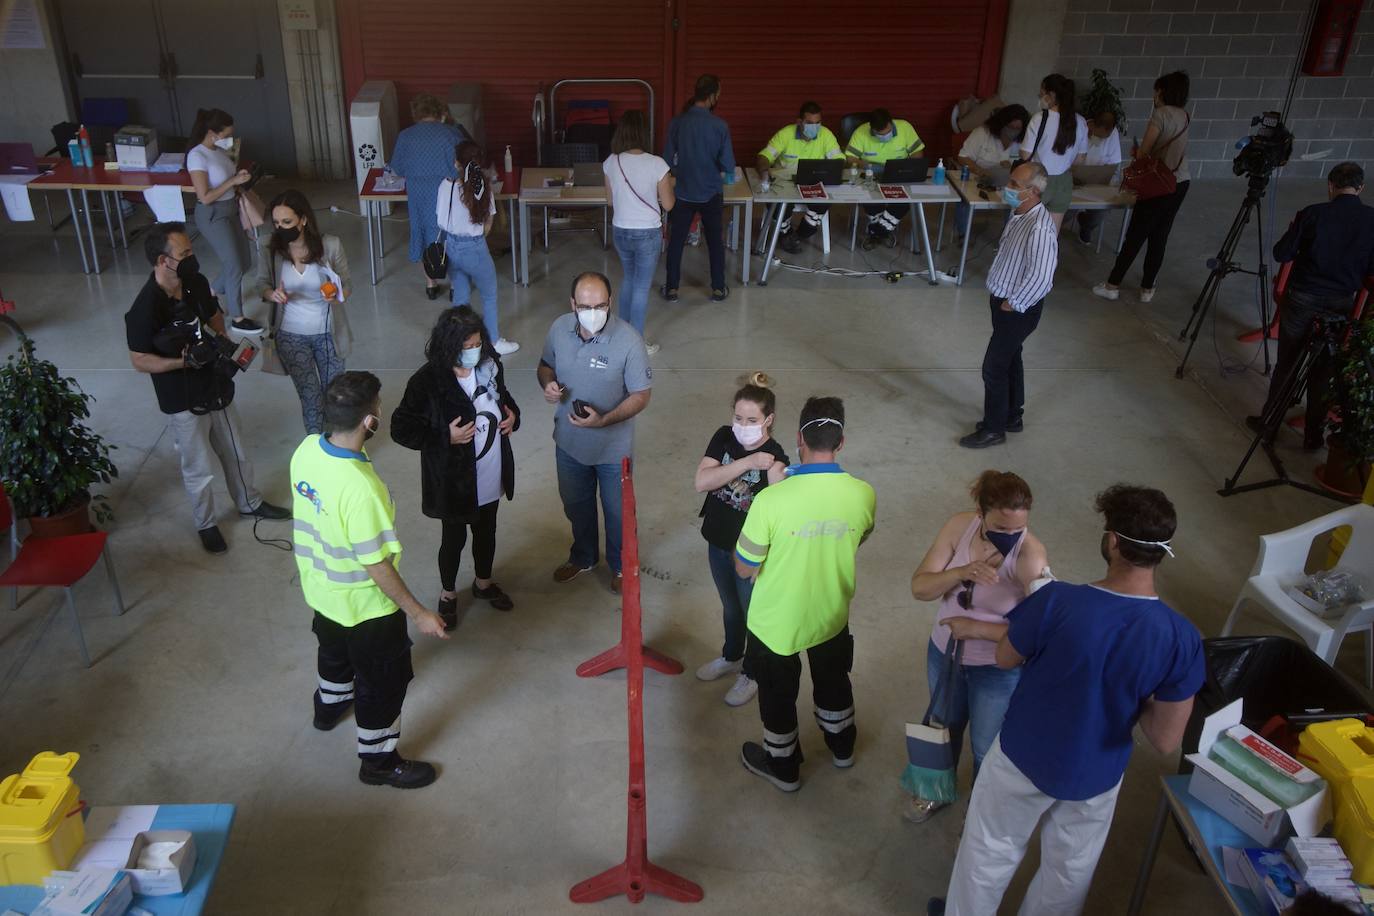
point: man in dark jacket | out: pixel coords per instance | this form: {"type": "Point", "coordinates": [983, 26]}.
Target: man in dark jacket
{"type": "Point", "coordinates": [458, 413]}
{"type": "Point", "coordinates": [1331, 246]}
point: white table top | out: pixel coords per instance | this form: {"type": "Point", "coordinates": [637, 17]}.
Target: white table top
{"type": "Point", "coordinates": [784, 190]}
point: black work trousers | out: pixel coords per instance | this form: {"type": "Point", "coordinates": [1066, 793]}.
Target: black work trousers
{"type": "Point", "coordinates": [779, 680]}
{"type": "Point", "coordinates": [455, 538]}
{"type": "Point", "coordinates": [369, 664]}
{"type": "Point", "coordinates": [680, 223]}
{"type": "Point", "coordinates": [1297, 320]}
{"type": "Point", "coordinates": [1151, 222]}
{"type": "Point", "coordinates": [1004, 377]}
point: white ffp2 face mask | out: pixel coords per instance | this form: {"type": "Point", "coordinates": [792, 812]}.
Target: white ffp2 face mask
{"type": "Point", "coordinates": [225, 143]}
{"type": "Point", "coordinates": [748, 436]}
{"type": "Point", "coordinates": [592, 320]}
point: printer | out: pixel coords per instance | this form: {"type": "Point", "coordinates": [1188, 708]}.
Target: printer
{"type": "Point", "coordinates": [135, 147]}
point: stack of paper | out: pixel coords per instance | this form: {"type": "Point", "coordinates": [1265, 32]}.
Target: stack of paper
{"type": "Point", "coordinates": [16, 197]}
{"type": "Point", "coordinates": [169, 162]}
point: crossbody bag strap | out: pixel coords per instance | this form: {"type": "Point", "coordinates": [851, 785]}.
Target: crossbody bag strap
{"type": "Point", "coordinates": [1160, 149]}
{"type": "Point", "coordinates": [1039, 134]}
{"type": "Point", "coordinates": [632, 187]}
{"type": "Point", "coordinates": [275, 321]}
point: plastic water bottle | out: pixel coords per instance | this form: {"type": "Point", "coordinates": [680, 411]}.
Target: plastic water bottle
{"type": "Point", "coordinates": [868, 172]}
{"type": "Point", "coordinates": [939, 176]}
{"type": "Point", "coordinates": [767, 182]}
{"type": "Point", "coordinates": [963, 174]}
{"type": "Point", "coordinates": [510, 161]}
{"type": "Point", "coordinates": [87, 157]}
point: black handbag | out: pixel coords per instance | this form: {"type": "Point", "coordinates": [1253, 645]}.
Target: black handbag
{"type": "Point", "coordinates": [435, 256]}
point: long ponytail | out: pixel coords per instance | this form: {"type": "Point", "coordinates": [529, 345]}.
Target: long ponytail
{"type": "Point", "coordinates": [209, 119]}
{"type": "Point", "coordinates": [1063, 90]}
{"type": "Point", "coordinates": [473, 181]}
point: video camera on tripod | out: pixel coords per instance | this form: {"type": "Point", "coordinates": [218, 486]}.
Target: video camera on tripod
{"type": "Point", "coordinates": [202, 346]}
{"type": "Point", "coordinates": [1268, 148]}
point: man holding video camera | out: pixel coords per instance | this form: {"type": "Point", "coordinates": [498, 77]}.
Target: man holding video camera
{"type": "Point", "coordinates": [1332, 247]}
{"type": "Point", "coordinates": [175, 332]}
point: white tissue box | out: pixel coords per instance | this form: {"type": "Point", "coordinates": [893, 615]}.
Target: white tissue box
{"type": "Point", "coordinates": [175, 848]}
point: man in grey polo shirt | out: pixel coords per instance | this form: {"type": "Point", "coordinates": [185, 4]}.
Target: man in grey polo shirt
{"type": "Point", "coordinates": [595, 368]}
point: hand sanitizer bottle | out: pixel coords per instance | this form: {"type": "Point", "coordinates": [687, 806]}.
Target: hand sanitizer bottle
{"type": "Point", "coordinates": [939, 177]}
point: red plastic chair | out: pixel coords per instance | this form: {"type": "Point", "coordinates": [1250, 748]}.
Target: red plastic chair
{"type": "Point", "coordinates": [58, 562]}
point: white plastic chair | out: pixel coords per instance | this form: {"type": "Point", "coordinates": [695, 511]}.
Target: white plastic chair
{"type": "Point", "coordinates": [1279, 565]}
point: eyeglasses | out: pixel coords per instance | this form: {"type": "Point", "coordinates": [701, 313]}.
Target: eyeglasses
{"type": "Point", "coordinates": [600, 307]}
{"type": "Point", "coordinates": [965, 598]}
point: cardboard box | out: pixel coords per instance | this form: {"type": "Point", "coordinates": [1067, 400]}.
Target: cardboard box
{"type": "Point", "coordinates": [135, 147]}
{"type": "Point", "coordinates": [156, 882]}
{"type": "Point", "coordinates": [1262, 819]}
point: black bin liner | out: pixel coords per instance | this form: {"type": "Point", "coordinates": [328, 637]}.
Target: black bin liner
{"type": "Point", "coordinates": [1276, 676]}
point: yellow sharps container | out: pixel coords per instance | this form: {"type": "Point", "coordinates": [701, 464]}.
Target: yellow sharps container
{"type": "Point", "coordinates": [41, 827]}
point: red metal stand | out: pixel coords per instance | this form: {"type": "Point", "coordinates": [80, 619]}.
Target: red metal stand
{"type": "Point", "coordinates": [636, 876]}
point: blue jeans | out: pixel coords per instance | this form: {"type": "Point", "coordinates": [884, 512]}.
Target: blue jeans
{"type": "Point", "coordinates": [469, 265]}
{"type": "Point", "coordinates": [639, 250]}
{"type": "Point", "coordinates": [312, 363]}
{"type": "Point", "coordinates": [734, 600]}
{"type": "Point", "coordinates": [577, 486]}
{"type": "Point", "coordinates": [978, 702]}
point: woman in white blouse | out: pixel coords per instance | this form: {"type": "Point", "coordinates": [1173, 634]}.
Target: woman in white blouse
{"type": "Point", "coordinates": [302, 272]}
{"type": "Point", "coordinates": [989, 147]}
{"type": "Point", "coordinates": [1057, 138]}
{"type": "Point", "coordinates": [216, 178]}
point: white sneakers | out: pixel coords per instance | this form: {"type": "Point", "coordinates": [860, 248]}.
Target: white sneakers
{"type": "Point", "coordinates": [506, 347]}
{"type": "Point", "coordinates": [718, 668]}
{"type": "Point", "coordinates": [742, 692]}
{"type": "Point", "coordinates": [1146, 294]}
{"type": "Point", "coordinates": [1107, 292]}
{"type": "Point", "coordinates": [651, 348]}
{"type": "Point", "coordinates": [743, 689]}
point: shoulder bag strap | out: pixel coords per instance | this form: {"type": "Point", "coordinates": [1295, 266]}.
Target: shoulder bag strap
{"type": "Point", "coordinates": [274, 321]}
{"type": "Point", "coordinates": [954, 653]}
{"type": "Point", "coordinates": [632, 187]}
{"type": "Point", "coordinates": [452, 186]}
{"type": "Point", "coordinates": [1156, 153]}
{"type": "Point", "coordinates": [1039, 134]}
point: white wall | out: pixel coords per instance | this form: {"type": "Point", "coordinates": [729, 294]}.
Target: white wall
{"type": "Point", "coordinates": [31, 86]}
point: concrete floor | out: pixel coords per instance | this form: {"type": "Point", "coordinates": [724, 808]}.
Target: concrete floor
{"type": "Point", "coordinates": [201, 692]}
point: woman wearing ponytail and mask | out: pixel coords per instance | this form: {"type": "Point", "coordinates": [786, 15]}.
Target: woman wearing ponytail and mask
{"type": "Point", "coordinates": [1057, 138]}
{"type": "Point", "coordinates": [740, 461]}
{"type": "Point", "coordinates": [458, 414]}
{"type": "Point", "coordinates": [982, 564]}
{"type": "Point", "coordinates": [300, 272]}
{"type": "Point", "coordinates": [465, 210]}
{"type": "Point", "coordinates": [215, 178]}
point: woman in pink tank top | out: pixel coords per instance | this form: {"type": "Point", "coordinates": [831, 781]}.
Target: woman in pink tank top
{"type": "Point", "coordinates": [980, 567]}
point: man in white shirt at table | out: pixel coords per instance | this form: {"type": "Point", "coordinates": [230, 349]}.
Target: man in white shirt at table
{"type": "Point", "coordinates": [1019, 281]}
{"type": "Point", "coordinates": [1104, 148]}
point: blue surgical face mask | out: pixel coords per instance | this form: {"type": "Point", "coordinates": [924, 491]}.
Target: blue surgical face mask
{"type": "Point", "coordinates": [1011, 197]}
{"type": "Point", "coordinates": [811, 131]}
{"type": "Point", "coordinates": [884, 137]}
{"type": "Point", "coordinates": [1004, 541]}
{"type": "Point", "coordinates": [469, 358]}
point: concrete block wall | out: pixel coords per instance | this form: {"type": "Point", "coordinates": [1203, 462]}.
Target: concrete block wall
{"type": "Point", "coordinates": [1238, 54]}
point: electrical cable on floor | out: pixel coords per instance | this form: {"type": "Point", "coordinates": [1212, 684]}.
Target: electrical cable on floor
{"type": "Point", "coordinates": [389, 219]}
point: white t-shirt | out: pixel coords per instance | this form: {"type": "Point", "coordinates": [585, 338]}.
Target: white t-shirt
{"type": "Point", "coordinates": [489, 465]}
{"type": "Point", "coordinates": [644, 171]}
{"type": "Point", "coordinates": [216, 165]}
{"type": "Point", "coordinates": [306, 312]}
{"type": "Point", "coordinates": [456, 221]}
{"type": "Point", "coordinates": [985, 150]}
{"type": "Point", "coordinates": [1054, 163]}
{"type": "Point", "coordinates": [1103, 150]}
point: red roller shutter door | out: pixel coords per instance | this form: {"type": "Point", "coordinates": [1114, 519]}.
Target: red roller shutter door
{"type": "Point", "coordinates": [913, 58]}
{"type": "Point", "coordinates": [510, 48]}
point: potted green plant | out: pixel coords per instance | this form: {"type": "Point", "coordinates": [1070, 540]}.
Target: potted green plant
{"type": "Point", "coordinates": [1103, 96]}
{"type": "Point", "coordinates": [1350, 448]}
{"type": "Point", "coordinates": [49, 458]}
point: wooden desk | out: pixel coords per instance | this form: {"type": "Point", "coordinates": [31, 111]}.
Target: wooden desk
{"type": "Point", "coordinates": [372, 201]}
{"type": "Point", "coordinates": [534, 193]}
{"type": "Point", "coordinates": [109, 185]}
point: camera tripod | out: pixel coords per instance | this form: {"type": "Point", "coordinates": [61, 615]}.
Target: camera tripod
{"type": "Point", "coordinates": [1224, 264]}
{"type": "Point", "coordinates": [1322, 341]}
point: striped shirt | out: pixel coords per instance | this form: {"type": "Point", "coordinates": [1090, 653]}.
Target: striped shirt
{"type": "Point", "coordinates": [1023, 271]}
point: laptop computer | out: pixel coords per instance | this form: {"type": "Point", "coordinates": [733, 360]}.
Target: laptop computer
{"type": "Point", "coordinates": [820, 171]}
{"type": "Point", "coordinates": [904, 171]}
{"type": "Point", "coordinates": [1093, 174]}
{"type": "Point", "coordinates": [17, 159]}
{"type": "Point", "coordinates": [588, 175]}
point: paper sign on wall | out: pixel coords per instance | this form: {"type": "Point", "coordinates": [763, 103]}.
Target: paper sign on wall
{"type": "Point", "coordinates": [22, 28]}
{"type": "Point", "coordinates": [298, 15]}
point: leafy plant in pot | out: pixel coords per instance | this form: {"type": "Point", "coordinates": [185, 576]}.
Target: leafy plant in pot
{"type": "Point", "coordinates": [49, 457]}
{"type": "Point", "coordinates": [1102, 96]}
{"type": "Point", "coordinates": [1350, 448]}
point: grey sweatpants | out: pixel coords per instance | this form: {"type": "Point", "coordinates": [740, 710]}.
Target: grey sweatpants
{"type": "Point", "coordinates": [196, 437]}
{"type": "Point", "coordinates": [219, 225]}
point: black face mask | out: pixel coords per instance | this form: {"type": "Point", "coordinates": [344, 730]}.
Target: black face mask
{"type": "Point", "coordinates": [287, 234]}
{"type": "Point", "coordinates": [187, 268]}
